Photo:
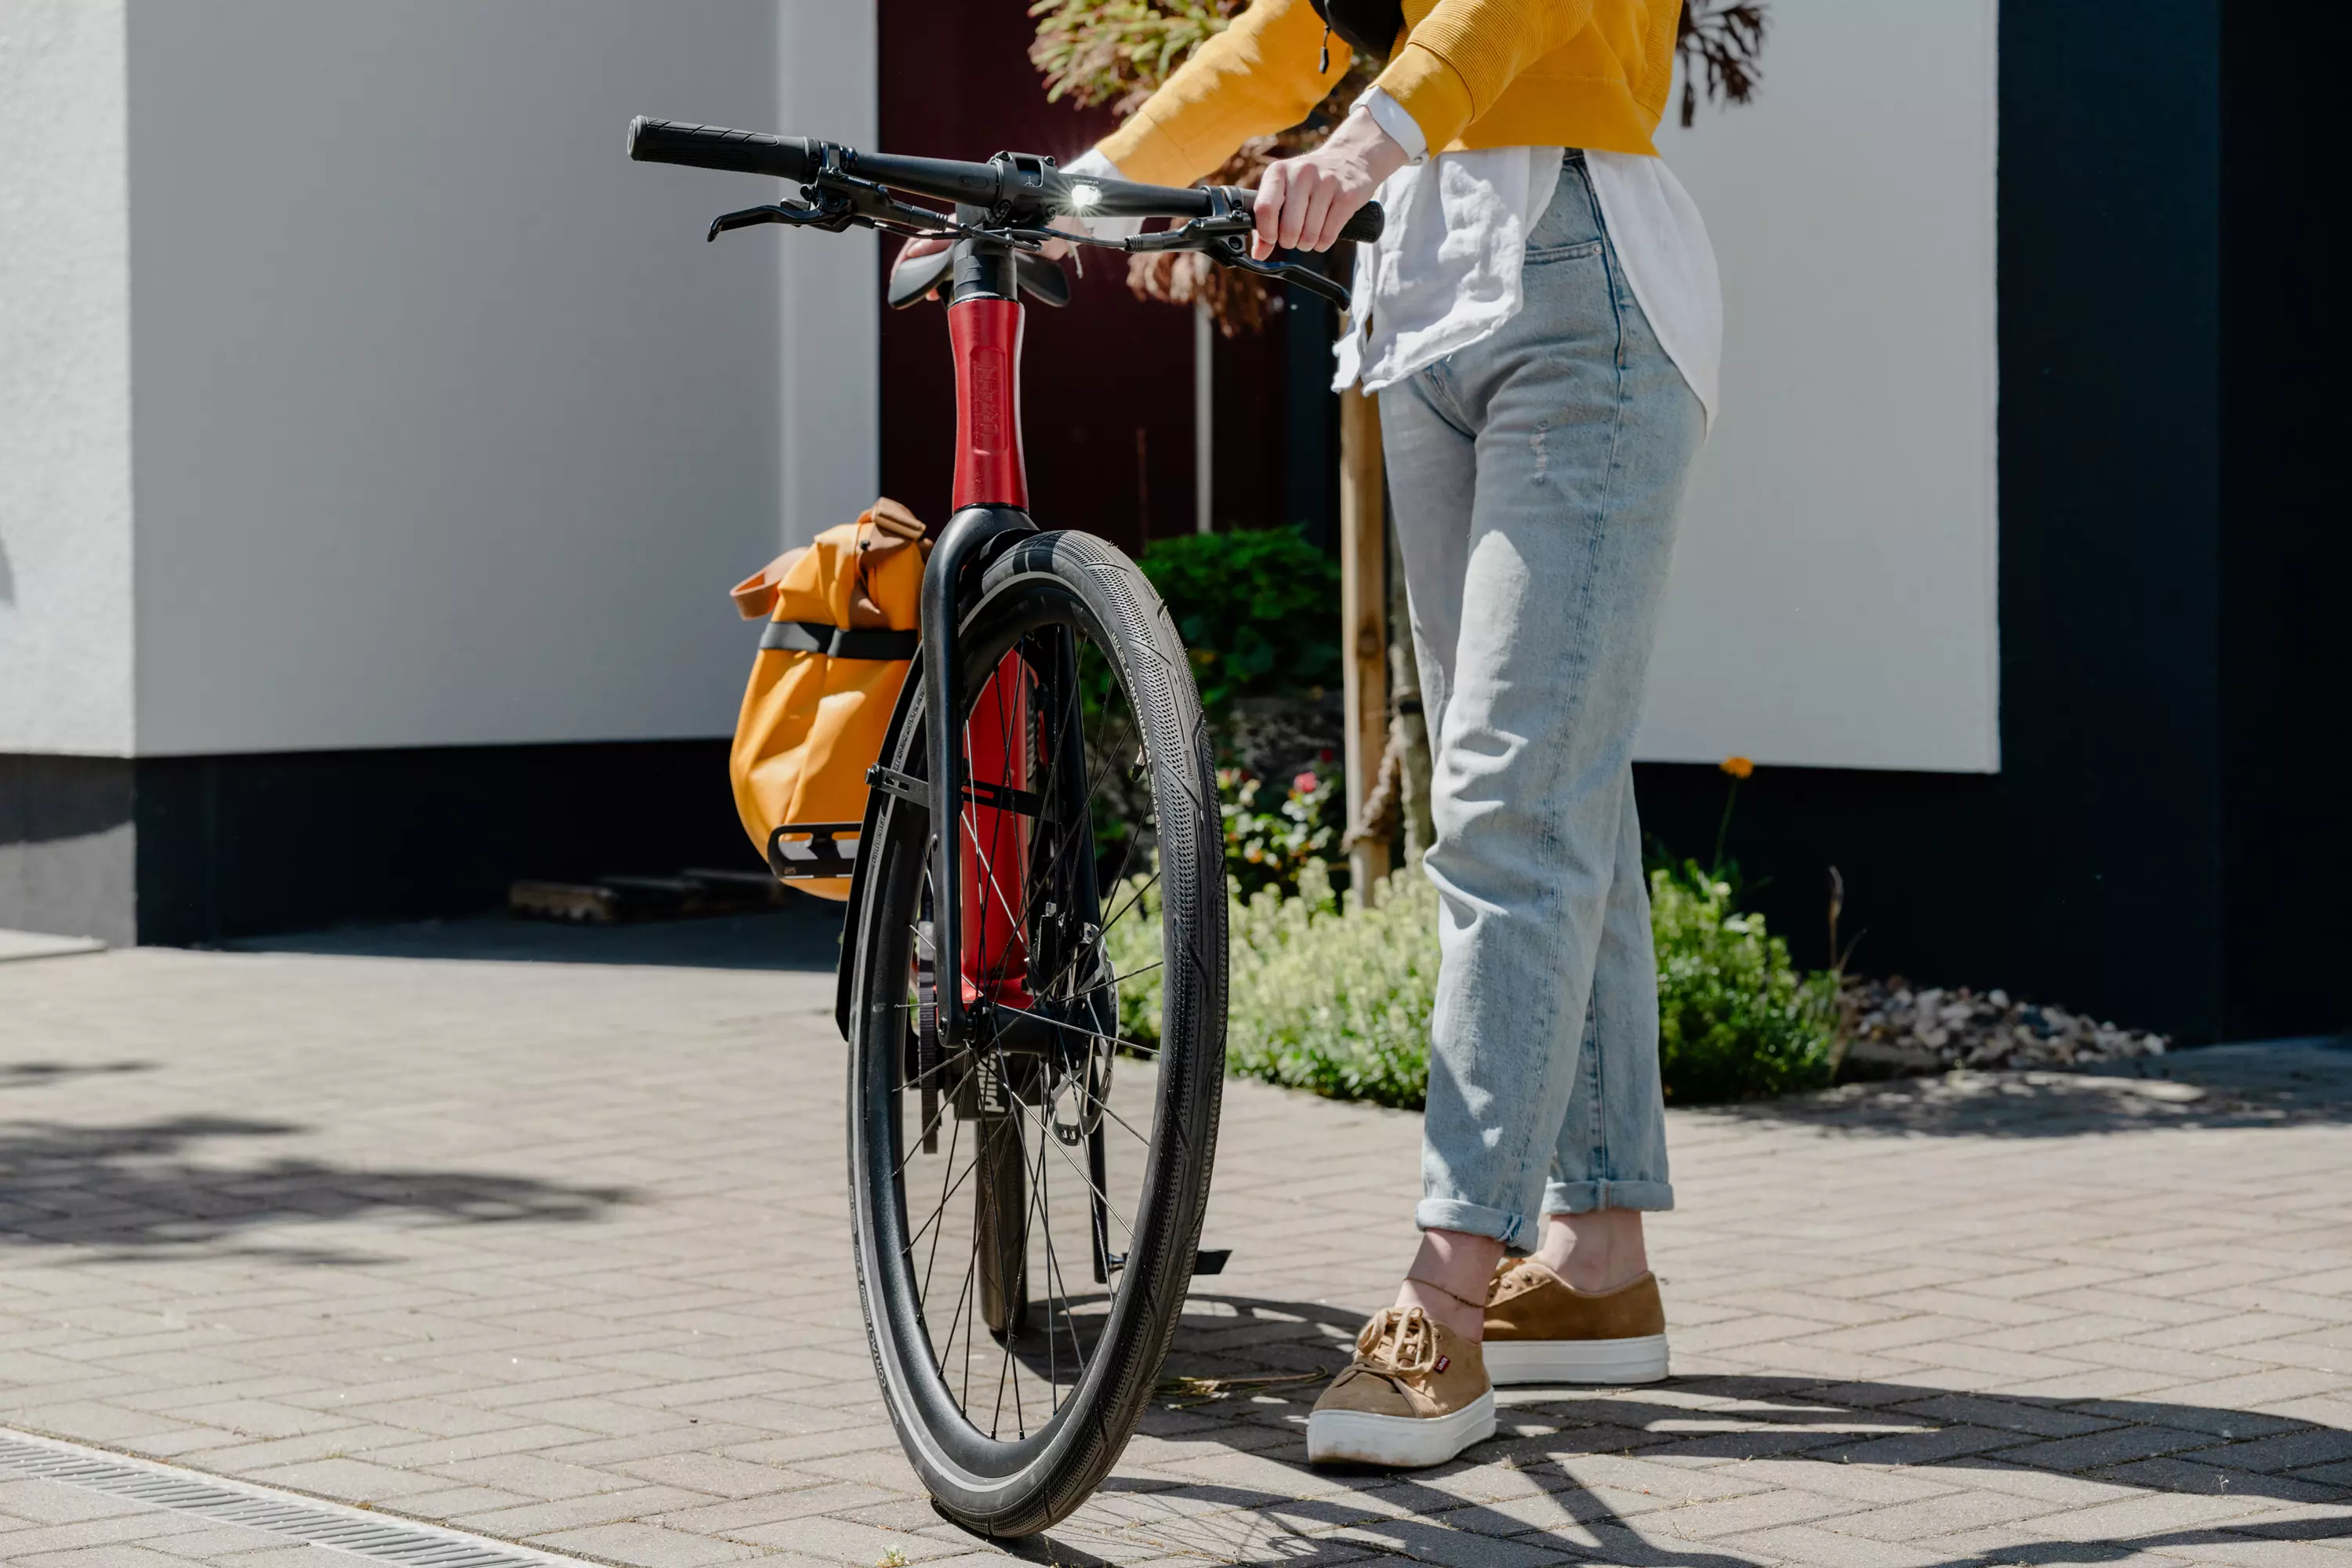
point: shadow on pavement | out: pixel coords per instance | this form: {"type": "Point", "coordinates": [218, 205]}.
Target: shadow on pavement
{"type": "Point", "coordinates": [137, 1189]}
{"type": "Point", "coordinates": [2287, 1083]}
{"type": "Point", "coordinates": [805, 936]}
{"type": "Point", "coordinates": [41, 1075]}
{"type": "Point", "coordinates": [1592, 1464]}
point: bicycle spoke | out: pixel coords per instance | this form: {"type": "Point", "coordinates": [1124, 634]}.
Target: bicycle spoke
{"type": "Point", "coordinates": [1148, 883]}
{"type": "Point", "coordinates": [915, 1240]}
{"type": "Point", "coordinates": [1038, 1205]}
{"type": "Point", "coordinates": [1075, 828]}
{"type": "Point", "coordinates": [1109, 1207]}
{"type": "Point", "coordinates": [1131, 1132]}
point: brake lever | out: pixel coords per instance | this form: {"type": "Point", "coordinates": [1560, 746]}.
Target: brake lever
{"type": "Point", "coordinates": [1224, 237]}
{"type": "Point", "coordinates": [834, 203]}
{"type": "Point", "coordinates": [1235, 254]}
{"type": "Point", "coordinates": [832, 218]}
{"type": "Point", "coordinates": [1203, 234]}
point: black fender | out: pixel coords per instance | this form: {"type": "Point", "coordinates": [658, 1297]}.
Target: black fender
{"type": "Point", "coordinates": [844, 977]}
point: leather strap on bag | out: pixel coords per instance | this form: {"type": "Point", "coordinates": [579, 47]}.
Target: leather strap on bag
{"type": "Point", "coordinates": [755, 596]}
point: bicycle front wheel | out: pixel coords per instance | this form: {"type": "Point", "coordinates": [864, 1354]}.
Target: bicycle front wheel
{"type": "Point", "coordinates": [1028, 1198]}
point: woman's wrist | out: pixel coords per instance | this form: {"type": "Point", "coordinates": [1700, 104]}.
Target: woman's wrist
{"type": "Point", "coordinates": [1361, 135]}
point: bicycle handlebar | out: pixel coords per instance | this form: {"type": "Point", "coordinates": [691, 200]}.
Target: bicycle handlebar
{"type": "Point", "coordinates": [1014, 181]}
{"type": "Point", "coordinates": [716, 147]}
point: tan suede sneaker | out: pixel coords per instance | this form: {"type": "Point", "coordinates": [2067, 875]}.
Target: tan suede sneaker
{"type": "Point", "coordinates": [1540, 1329]}
{"type": "Point", "coordinates": [1415, 1394]}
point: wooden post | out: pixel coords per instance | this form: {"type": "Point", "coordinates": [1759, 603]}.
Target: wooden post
{"type": "Point", "coordinates": [1363, 622]}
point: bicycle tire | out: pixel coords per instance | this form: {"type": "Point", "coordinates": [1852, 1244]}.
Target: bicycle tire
{"type": "Point", "coordinates": [1047, 590]}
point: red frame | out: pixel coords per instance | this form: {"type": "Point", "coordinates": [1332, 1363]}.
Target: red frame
{"type": "Point", "coordinates": [985, 336]}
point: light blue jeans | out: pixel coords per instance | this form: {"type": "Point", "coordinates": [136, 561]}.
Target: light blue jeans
{"type": "Point", "coordinates": [1535, 478]}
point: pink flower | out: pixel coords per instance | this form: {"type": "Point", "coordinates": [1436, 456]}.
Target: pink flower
{"type": "Point", "coordinates": [1306, 783]}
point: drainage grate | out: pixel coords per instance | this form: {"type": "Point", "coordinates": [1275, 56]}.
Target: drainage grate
{"type": "Point", "coordinates": [259, 1508]}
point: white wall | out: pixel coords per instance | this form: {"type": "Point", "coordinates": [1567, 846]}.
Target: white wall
{"type": "Point", "coordinates": [1834, 599]}
{"type": "Point", "coordinates": [65, 381]}
{"type": "Point", "coordinates": [832, 449]}
{"type": "Point", "coordinates": [450, 430]}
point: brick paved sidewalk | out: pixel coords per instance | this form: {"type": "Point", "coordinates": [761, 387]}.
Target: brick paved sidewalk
{"type": "Point", "coordinates": [557, 1254]}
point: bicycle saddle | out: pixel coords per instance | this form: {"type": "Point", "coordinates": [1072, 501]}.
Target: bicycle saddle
{"type": "Point", "coordinates": [1041, 280]}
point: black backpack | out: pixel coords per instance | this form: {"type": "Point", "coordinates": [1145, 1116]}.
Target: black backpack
{"type": "Point", "coordinates": [1368, 26]}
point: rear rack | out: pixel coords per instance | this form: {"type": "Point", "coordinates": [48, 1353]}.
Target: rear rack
{"type": "Point", "coordinates": [814, 851]}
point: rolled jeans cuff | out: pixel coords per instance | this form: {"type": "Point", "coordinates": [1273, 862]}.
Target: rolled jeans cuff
{"type": "Point", "coordinates": [1583, 1198]}
{"type": "Point", "coordinates": [1513, 1230]}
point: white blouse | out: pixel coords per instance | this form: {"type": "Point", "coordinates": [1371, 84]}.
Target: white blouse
{"type": "Point", "coordinates": [1446, 271]}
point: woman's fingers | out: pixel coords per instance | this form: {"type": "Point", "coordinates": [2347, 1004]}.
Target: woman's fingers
{"type": "Point", "coordinates": [1325, 198]}
{"type": "Point", "coordinates": [1310, 191]}
{"type": "Point", "coordinates": [1265, 213]}
{"type": "Point", "coordinates": [1345, 206]}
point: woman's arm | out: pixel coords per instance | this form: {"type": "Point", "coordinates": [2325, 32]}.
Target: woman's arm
{"type": "Point", "coordinates": [1255, 77]}
{"type": "Point", "coordinates": [1461, 57]}
{"type": "Point", "coordinates": [1451, 68]}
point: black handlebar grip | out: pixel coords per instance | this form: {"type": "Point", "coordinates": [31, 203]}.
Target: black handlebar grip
{"type": "Point", "coordinates": [1363, 228]}
{"type": "Point", "coordinates": [716, 147]}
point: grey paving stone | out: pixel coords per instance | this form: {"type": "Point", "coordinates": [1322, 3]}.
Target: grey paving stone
{"type": "Point", "coordinates": [1810, 1545]}
{"type": "Point", "coordinates": [648, 1544]}
{"type": "Point", "coordinates": [561, 1249]}
{"type": "Point", "coordinates": [113, 1555]}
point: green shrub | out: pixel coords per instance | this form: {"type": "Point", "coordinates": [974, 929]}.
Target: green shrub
{"type": "Point", "coordinates": [1258, 609]}
{"type": "Point", "coordinates": [1737, 1020]}
{"type": "Point", "coordinates": [1339, 1003]}
{"type": "Point", "coordinates": [1273, 848]}
{"type": "Point", "coordinates": [1318, 999]}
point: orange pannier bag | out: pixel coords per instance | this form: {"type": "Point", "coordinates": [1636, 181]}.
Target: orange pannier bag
{"type": "Point", "coordinates": [842, 614]}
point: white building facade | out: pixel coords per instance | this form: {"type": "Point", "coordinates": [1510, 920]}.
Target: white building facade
{"type": "Point", "coordinates": [359, 398]}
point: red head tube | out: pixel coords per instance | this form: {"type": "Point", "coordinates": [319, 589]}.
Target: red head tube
{"type": "Point", "coordinates": [989, 470]}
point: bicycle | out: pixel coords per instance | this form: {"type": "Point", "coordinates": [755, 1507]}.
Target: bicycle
{"type": "Point", "coordinates": [1050, 714]}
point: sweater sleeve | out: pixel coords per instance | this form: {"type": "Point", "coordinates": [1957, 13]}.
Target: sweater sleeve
{"type": "Point", "coordinates": [1457, 61]}
{"type": "Point", "coordinates": [1255, 77]}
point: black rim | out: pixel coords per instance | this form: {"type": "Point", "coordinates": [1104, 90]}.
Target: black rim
{"type": "Point", "coordinates": [1020, 1114]}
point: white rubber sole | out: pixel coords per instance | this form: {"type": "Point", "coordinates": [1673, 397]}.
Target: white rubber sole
{"type": "Point", "coordinates": [1641, 1360]}
{"type": "Point", "coordinates": [1358, 1437]}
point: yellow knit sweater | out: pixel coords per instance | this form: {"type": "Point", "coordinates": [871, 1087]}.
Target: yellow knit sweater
{"type": "Point", "coordinates": [1472, 73]}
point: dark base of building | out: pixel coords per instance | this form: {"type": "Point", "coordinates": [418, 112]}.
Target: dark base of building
{"type": "Point", "coordinates": [1976, 879]}
{"type": "Point", "coordinates": [1949, 878]}
{"type": "Point", "coordinates": [192, 850]}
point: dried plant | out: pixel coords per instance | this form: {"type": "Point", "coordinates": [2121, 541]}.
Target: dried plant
{"type": "Point", "coordinates": [1723, 44]}
{"type": "Point", "coordinates": [1118, 52]}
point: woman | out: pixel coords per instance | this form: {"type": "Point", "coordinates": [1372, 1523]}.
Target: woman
{"type": "Point", "coordinates": [1543, 322]}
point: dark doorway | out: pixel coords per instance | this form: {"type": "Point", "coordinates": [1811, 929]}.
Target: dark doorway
{"type": "Point", "coordinates": [1108, 385]}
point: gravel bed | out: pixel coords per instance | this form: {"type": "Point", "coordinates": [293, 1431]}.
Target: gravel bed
{"type": "Point", "coordinates": [1894, 1031]}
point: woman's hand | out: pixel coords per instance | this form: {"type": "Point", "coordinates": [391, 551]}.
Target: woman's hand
{"type": "Point", "coordinates": [1304, 201]}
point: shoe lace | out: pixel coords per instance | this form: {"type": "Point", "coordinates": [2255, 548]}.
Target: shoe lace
{"type": "Point", "coordinates": [1409, 1337]}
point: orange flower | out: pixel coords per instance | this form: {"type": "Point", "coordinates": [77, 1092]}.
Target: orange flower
{"type": "Point", "coordinates": [1738, 767]}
